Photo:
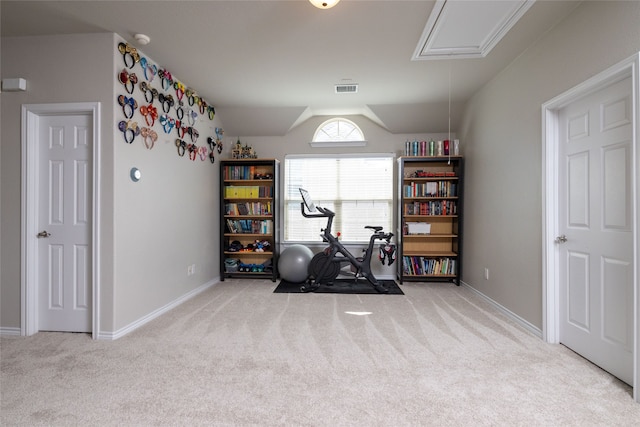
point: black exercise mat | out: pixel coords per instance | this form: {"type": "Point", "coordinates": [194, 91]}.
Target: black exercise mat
{"type": "Point", "coordinates": [341, 286]}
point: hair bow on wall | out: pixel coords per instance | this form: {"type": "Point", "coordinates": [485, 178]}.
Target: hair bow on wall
{"type": "Point", "coordinates": [129, 106]}
{"type": "Point", "coordinates": [128, 80]}
{"type": "Point", "coordinates": [129, 129]}
{"type": "Point", "coordinates": [129, 53]}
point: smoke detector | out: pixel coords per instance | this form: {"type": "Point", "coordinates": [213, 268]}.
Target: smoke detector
{"type": "Point", "coordinates": [142, 39]}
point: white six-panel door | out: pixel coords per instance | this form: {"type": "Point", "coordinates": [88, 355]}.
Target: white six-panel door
{"type": "Point", "coordinates": [64, 217]}
{"type": "Point", "coordinates": [595, 237]}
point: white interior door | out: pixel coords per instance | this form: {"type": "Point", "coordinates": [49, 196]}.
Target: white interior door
{"type": "Point", "coordinates": [64, 218]}
{"type": "Point", "coordinates": [595, 228]}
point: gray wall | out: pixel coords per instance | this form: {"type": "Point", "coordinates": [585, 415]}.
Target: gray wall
{"type": "Point", "coordinates": [297, 141]}
{"type": "Point", "coordinates": [502, 133]}
{"type": "Point", "coordinates": [57, 69]}
{"type": "Point", "coordinates": [150, 231]}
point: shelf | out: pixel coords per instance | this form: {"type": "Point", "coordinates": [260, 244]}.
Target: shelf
{"type": "Point", "coordinates": [430, 217]}
{"type": "Point", "coordinates": [430, 178]}
{"type": "Point", "coordinates": [249, 217]}
{"type": "Point", "coordinates": [249, 195]}
{"type": "Point", "coordinates": [255, 199]}
{"type": "Point", "coordinates": [429, 236]}
{"type": "Point", "coordinates": [249, 181]}
{"type": "Point", "coordinates": [431, 254]}
{"type": "Point", "coordinates": [247, 253]}
{"type": "Point", "coordinates": [430, 189]}
{"type": "Point", "coordinates": [430, 275]}
{"type": "Point", "coordinates": [406, 199]}
{"type": "Point", "coordinates": [247, 235]}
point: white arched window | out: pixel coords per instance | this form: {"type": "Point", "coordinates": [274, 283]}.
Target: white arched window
{"type": "Point", "coordinates": [357, 186]}
{"type": "Point", "coordinates": [338, 132]}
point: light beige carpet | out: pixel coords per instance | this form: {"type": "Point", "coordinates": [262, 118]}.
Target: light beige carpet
{"type": "Point", "coordinates": [238, 354]}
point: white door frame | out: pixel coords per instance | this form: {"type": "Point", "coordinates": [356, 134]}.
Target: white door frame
{"type": "Point", "coordinates": [550, 258]}
{"type": "Point", "coordinates": [31, 114]}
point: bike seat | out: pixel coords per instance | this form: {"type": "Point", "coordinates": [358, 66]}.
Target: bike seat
{"type": "Point", "coordinates": [375, 228]}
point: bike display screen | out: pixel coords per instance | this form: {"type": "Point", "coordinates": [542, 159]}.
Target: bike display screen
{"type": "Point", "coordinates": [306, 198]}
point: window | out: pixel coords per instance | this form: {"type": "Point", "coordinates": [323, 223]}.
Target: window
{"type": "Point", "coordinates": [358, 188]}
{"type": "Point", "coordinates": [338, 132]}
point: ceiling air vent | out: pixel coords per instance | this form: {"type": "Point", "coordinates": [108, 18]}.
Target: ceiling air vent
{"type": "Point", "coordinates": [351, 88]}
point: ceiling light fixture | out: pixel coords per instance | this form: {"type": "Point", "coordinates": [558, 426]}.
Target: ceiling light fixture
{"type": "Point", "coordinates": [142, 39]}
{"type": "Point", "coordinates": [324, 4]}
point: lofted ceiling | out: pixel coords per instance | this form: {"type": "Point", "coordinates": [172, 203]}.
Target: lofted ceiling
{"type": "Point", "coordinates": [269, 65]}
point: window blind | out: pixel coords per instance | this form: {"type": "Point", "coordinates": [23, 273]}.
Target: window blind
{"type": "Point", "coordinates": [358, 188]}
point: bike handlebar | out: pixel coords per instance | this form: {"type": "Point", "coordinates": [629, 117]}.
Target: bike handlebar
{"type": "Point", "coordinates": [324, 212]}
{"type": "Point", "coordinates": [328, 213]}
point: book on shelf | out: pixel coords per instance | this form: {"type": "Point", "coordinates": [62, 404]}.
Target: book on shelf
{"type": "Point", "coordinates": [238, 172]}
{"type": "Point", "coordinates": [431, 189]}
{"type": "Point", "coordinates": [247, 191]}
{"type": "Point", "coordinates": [262, 208]}
{"type": "Point", "coordinates": [431, 207]}
{"type": "Point", "coordinates": [424, 266]}
{"type": "Point", "coordinates": [249, 226]}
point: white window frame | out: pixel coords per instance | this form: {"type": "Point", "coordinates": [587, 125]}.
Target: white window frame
{"type": "Point", "coordinates": [292, 199]}
{"type": "Point", "coordinates": [320, 142]}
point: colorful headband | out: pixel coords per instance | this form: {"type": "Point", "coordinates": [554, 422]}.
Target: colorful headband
{"type": "Point", "coordinates": [166, 101]}
{"type": "Point", "coordinates": [219, 133]}
{"type": "Point", "coordinates": [182, 147]}
{"type": "Point", "coordinates": [129, 52]}
{"type": "Point", "coordinates": [191, 117]}
{"type": "Point", "coordinates": [193, 151]}
{"type": "Point", "coordinates": [203, 105]}
{"type": "Point", "coordinates": [129, 105]}
{"type": "Point", "coordinates": [150, 70]}
{"type": "Point", "coordinates": [129, 129]}
{"type": "Point", "coordinates": [194, 133]}
{"type": "Point", "coordinates": [148, 91]}
{"type": "Point", "coordinates": [179, 111]}
{"type": "Point", "coordinates": [128, 80]}
{"type": "Point", "coordinates": [150, 114]}
{"type": "Point", "coordinates": [182, 130]}
{"type": "Point", "coordinates": [179, 87]}
{"type": "Point", "coordinates": [202, 152]}
{"type": "Point", "coordinates": [167, 79]}
{"type": "Point", "coordinates": [149, 137]}
{"type": "Point", "coordinates": [167, 123]}
{"type": "Point", "coordinates": [191, 96]}
{"type": "Point", "coordinates": [211, 142]}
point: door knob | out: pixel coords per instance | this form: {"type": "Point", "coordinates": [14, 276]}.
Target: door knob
{"type": "Point", "coordinates": [43, 234]}
{"type": "Point", "coordinates": [561, 239]}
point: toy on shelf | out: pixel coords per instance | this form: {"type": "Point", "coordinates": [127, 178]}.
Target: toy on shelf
{"type": "Point", "coordinates": [243, 152]}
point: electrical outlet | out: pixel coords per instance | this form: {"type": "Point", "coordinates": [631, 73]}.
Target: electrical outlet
{"type": "Point", "coordinates": [486, 273]}
{"type": "Point", "coordinates": [189, 270]}
{"type": "Point", "coordinates": [193, 269]}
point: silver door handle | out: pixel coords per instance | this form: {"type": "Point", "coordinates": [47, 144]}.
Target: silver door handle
{"type": "Point", "coordinates": [561, 239]}
{"type": "Point", "coordinates": [43, 234]}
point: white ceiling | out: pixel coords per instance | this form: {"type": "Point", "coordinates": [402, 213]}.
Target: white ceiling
{"type": "Point", "coordinates": [269, 65]}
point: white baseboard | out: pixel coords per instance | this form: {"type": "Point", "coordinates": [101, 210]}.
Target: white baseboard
{"type": "Point", "coordinates": [510, 314]}
{"type": "Point", "coordinates": [110, 336]}
{"type": "Point", "coordinates": [10, 332]}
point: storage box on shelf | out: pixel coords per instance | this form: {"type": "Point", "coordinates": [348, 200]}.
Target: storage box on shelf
{"type": "Point", "coordinates": [430, 218]}
{"type": "Point", "coordinates": [248, 226]}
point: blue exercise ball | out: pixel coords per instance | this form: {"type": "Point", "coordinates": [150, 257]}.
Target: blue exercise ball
{"type": "Point", "coordinates": [293, 263]}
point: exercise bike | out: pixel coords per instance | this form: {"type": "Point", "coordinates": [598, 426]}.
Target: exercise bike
{"type": "Point", "coordinates": [327, 265]}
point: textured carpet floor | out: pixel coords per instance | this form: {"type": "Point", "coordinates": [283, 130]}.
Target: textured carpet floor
{"type": "Point", "coordinates": [342, 286]}
{"type": "Point", "coordinates": [239, 354]}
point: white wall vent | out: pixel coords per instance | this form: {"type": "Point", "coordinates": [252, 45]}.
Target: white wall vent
{"type": "Point", "coordinates": [351, 88]}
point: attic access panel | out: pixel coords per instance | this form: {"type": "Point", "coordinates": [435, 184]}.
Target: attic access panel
{"type": "Point", "coordinates": [467, 29]}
